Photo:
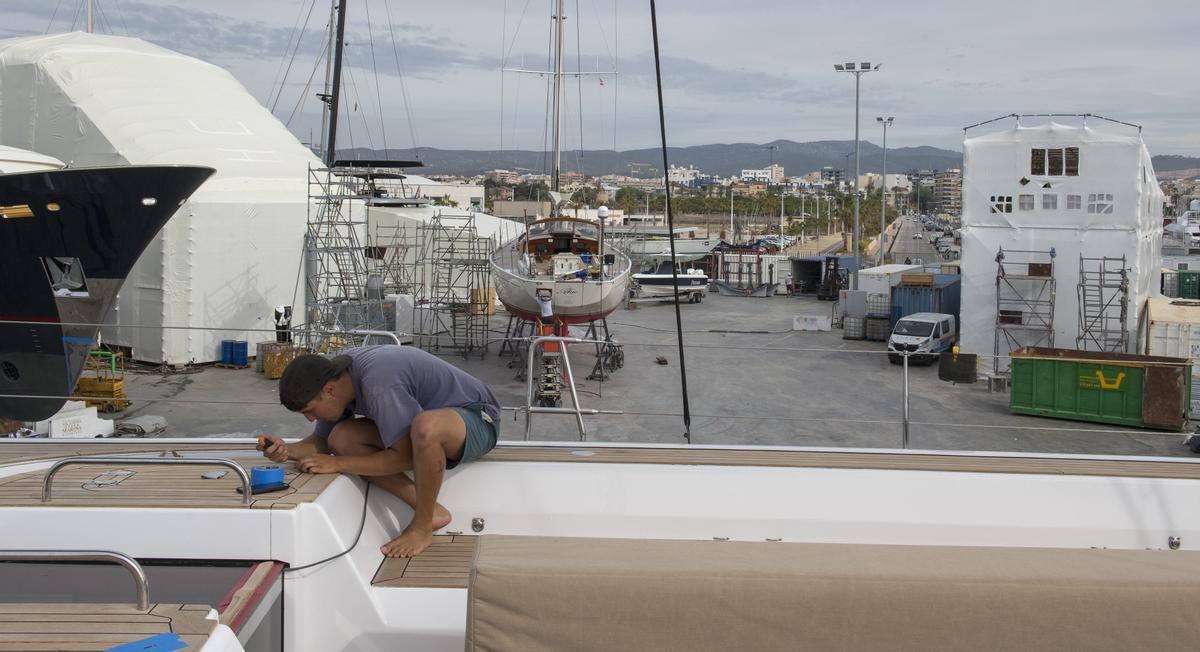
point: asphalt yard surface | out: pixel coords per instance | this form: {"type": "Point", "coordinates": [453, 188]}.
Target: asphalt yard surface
{"type": "Point", "coordinates": [751, 379]}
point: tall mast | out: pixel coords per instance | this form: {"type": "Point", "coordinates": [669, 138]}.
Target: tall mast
{"type": "Point", "coordinates": [330, 151]}
{"type": "Point", "coordinates": [325, 95]}
{"type": "Point", "coordinates": [89, 16]}
{"type": "Point", "coordinates": [558, 55]}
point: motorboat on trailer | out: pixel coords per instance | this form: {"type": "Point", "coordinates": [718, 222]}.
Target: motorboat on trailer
{"type": "Point", "coordinates": [552, 543]}
{"type": "Point", "coordinates": [68, 239]}
{"type": "Point", "coordinates": [560, 258]}
{"type": "Point", "coordinates": [665, 278]}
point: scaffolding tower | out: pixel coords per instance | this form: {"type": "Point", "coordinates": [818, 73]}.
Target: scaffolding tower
{"type": "Point", "coordinates": [1103, 304]}
{"type": "Point", "coordinates": [454, 283]}
{"type": "Point", "coordinates": [1025, 290]}
{"type": "Point", "coordinates": [395, 249]}
{"type": "Point", "coordinates": [337, 278]}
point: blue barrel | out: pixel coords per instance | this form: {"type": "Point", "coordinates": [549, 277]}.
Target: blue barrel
{"type": "Point", "coordinates": [234, 353]}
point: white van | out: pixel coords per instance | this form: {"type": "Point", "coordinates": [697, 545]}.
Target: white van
{"type": "Point", "coordinates": [923, 335]}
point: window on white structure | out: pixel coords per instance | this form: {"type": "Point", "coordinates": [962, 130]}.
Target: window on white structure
{"type": "Point", "coordinates": [1054, 162]}
{"type": "Point", "coordinates": [1071, 154]}
{"type": "Point", "coordinates": [1002, 203]}
{"type": "Point", "coordinates": [1025, 202]}
{"type": "Point", "coordinates": [1100, 203]}
{"type": "Point", "coordinates": [1049, 202]}
{"type": "Point", "coordinates": [1073, 202]}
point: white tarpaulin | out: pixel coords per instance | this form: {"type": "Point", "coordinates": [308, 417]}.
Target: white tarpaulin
{"type": "Point", "coordinates": [1102, 199]}
{"type": "Point", "coordinates": [232, 252]}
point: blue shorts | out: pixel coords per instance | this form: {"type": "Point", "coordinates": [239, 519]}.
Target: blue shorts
{"type": "Point", "coordinates": [482, 433]}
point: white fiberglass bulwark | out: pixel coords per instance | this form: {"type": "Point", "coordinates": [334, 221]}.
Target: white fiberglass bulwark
{"type": "Point", "coordinates": [1094, 193]}
{"type": "Point", "coordinates": [232, 251]}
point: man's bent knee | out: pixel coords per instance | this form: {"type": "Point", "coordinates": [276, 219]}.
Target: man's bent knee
{"type": "Point", "coordinates": [351, 435]}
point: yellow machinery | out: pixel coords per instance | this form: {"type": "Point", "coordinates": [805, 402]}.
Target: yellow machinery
{"type": "Point", "coordinates": [102, 383]}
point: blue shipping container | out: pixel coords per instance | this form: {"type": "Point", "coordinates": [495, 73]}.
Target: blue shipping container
{"type": "Point", "coordinates": [944, 296]}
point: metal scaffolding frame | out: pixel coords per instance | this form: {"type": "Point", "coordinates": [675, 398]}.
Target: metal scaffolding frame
{"type": "Point", "coordinates": [1103, 292]}
{"type": "Point", "coordinates": [336, 266]}
{"type": "Point", "coordinates": [1025, 290]}
{"type": "Point", "coordinates": [454, 286]}
{"type": "Point", "coordinates": [395, 247]}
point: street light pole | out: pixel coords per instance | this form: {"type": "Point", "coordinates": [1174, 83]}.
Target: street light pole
{"type": "Point", "coordinates": [858, 72]}
{"type": "Point", "coordinates": [883, 187]}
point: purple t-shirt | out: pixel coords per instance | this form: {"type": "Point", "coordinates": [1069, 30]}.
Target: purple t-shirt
{"type": "Point", "coordinates": [393, 384]}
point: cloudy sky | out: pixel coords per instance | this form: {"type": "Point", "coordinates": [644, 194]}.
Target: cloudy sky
{"type": "Point", "coordinates": [429, 73]}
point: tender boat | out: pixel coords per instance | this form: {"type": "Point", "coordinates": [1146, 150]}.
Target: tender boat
{"type": "Point", "coordinates": [660, 282]}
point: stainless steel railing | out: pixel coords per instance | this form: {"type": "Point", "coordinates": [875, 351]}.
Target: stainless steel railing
{"type": "Point", "coordinates": [130, 564]}
{"type": "Point", "coordinates": [145, 461]}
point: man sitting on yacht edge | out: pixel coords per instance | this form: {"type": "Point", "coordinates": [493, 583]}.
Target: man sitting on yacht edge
{"type": "Point", "coordinates": [381, 411]}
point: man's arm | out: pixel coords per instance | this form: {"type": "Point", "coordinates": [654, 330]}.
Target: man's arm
{"type": "Point", "coordinates": [277, 451]}
{"type": "Point", "coordinates": [384, 462]}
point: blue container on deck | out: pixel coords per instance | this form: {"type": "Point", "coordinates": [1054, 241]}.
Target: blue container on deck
{"type": "Point", "coordinates": [234, 353]}
{"type": "Point", "coordinates": [944, 296]}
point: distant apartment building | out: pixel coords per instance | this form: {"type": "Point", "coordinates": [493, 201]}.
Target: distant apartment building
{"type": "Point", "coordinates": [688, 176]}
{"type": "Point", "coordinates": [772, 174]}
{"type": "Point", "coordinates": [947, 192]}
{"type": "Point", "coordinates": [503, 176]}
{"type": "Point", "coordinates": [832, 175]}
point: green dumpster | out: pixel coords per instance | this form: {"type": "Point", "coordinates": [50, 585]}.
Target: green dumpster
{"type": "Point", "coordinates": [1189, 284]}
{"type": "Point", "coordinates": [1129, 390]}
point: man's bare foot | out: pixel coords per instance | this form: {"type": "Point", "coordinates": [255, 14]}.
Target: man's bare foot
{"type": "Point", "coordinates": [413, 541]}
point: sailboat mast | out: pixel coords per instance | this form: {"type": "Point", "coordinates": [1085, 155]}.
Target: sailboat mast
{"type": "Point", "coordinates": [330, 151]}
{"type": "Point", "coordinates": [558, 55]}
{"type": "Point", "coordinates": [89, 16]}
{"type": "Point", "coordinates": [325, 95]}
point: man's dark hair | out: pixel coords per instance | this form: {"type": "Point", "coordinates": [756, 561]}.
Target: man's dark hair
{"type": "Point", "coordinates": [306, 375]}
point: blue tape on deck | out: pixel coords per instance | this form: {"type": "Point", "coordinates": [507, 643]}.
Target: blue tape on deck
{"type": "Point", "coordinates": [266, 474]}
{"type": "Point", "coordinates": [158, 643]}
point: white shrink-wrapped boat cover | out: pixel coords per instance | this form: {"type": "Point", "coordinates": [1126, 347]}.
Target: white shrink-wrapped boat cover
{"type": "Point", "coordinates": [232, 252]}
{"type": "Point", "coordinates": [1113, 161]}
{"type": "Point", "coordinates": [13, 160]}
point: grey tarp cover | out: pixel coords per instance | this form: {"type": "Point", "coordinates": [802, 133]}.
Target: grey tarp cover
{"type": "Point", "coordinates": [546, 593]}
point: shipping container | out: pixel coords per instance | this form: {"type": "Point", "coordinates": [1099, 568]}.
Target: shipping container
{"type": "Point", "coordinates": [806, 273]}
{"type": "Point", "coordinates": [1173, 330]}
{"type": "Point", "coordinates": [1117, 388]}
{"type": "Point", "coordinates": [881, 279]}
{"type": "Point", "coordinates": [944, 296]}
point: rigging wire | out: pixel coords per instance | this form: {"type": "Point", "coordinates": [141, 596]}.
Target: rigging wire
{"type": "Point", "coordinates": [104, 18]}
{"type": "Point", "coordinates": [75, 18]}
{"type": "Point", "coordinates": [281, 74]}
{"type": "Point", "coordinates": [579, 84]}
{"type": "Point", "coordinates": [121, 15]}
{"type": "Point", "coordinates": [304, 92]}
{"type": "Point", "coordinates": [412, 129]}
{"type": "Point", "coordinates": [662, 126]}
{"type": "Point", "coordinates": [358, 104]}
{"type": "Point", "coordinates": [715, 417]}
{"type": "Point", "coordinates": [52, 17]}
{"type": "Point", "coordinates": [549, 91]}
{"type": "Point", "coordinates": [616, 72]}
{"type": "Point", "coordinates": [503, 35]}
{"type": "Point", "coordinates": [375, 74]}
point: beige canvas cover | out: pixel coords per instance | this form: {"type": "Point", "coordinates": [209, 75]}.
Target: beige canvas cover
{"type": "Point", "coordinates": [546, 593]}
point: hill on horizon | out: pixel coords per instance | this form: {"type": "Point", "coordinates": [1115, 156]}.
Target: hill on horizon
{"type": "Point", "coordinates": [723, 160]}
